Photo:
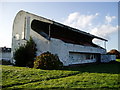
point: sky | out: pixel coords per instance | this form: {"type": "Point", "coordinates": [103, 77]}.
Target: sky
{"type": "Point", "coordinates": [97, 18]}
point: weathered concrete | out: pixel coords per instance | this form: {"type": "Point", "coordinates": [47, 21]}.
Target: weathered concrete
{"type": "Point", "coordinates": [108, 58]}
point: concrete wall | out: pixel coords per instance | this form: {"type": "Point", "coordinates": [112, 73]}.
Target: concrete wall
{"type": "Point", "coordinates": [108, 58]}
{"type": "Point", "coordinates": [81, 58]}
{"type": "Point", "coordinates": [22, 32]}
{"type": "Point", "coordinates": [0, 55]}
{"type": "Point", "coordinates": [62, 49]}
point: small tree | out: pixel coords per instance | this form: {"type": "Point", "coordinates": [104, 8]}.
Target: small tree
{"type": "Point", "coordinates": [31, 52]}
{"type": "Point", "coordinates": [25, 54]}
{"type": "Point", "coordinates": [20, 57]}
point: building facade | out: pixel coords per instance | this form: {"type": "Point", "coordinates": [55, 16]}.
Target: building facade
{"type": "Point", "coordinates": [73, 46]}
{"type": "Point", "coordinates": [5, 53]}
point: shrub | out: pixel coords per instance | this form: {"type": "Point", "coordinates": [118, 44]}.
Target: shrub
{"type": "Point", "coordinates": [19, 56]}
{"type": "Point", "coordinates": [30, 52]}
{"type": "Point", "coordinates": [47, 61]}
{"type": "Point", "coordinates": [25, 54]}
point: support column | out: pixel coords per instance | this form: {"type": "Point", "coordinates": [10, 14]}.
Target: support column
{"type": "Point", "coordinates": [105, 44]}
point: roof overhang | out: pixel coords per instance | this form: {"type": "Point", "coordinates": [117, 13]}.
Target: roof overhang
{"type": "Point", "coordinates": [79, 31]}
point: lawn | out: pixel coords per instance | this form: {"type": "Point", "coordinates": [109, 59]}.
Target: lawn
{"type": "Point", "coordinates": [99, 76]}
{"type": "Point", "coordinates": [118, 60]}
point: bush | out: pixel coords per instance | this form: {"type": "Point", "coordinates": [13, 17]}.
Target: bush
{"type": "Point", "coordinates": [47, 61]}
{"type": "Point", "coordinates": [19, 56]}
{"type": "Point", "coordinates": [25, 54]}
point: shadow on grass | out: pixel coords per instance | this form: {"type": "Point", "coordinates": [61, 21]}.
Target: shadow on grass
{"type": "Point", "coordinates": [62, 88]}
{"type": "Point", "coordinates": [111, 67]}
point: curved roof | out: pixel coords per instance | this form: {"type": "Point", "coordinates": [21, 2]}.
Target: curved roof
{"type": "Point", "coordinates": [65, 27]}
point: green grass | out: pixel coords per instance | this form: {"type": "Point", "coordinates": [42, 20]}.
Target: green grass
{"type": "Point", "coordinates": [90, 76]}
{"type": "Point", "coordinates": [118, 60]}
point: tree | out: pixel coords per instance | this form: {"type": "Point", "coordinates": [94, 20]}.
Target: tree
{"type": "Point", "coordinates": [115, 52]}
{"type": "Point", "coordinates": [25, 54]}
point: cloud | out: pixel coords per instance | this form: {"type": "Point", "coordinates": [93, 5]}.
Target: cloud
{"type": "Point", "coordinates": [79, 21]}
{"type": "Point", "coordinates": [104, 30]}
{"type": "Point", "coordinates": [109, 19]}
{"type": "Point", "coordinates": [85, 22]}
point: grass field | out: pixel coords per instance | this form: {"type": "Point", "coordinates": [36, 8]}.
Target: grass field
{"type": "Point", "coordinates": [118, 60]}
{"type": "Point", "coordinates": [99, 76]}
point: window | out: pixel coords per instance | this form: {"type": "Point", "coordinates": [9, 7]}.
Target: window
{"type": "Point", "coordinates": [17, 36]}
{"type": "Point", "coordinates": [90, 56]}
{"type": "Point", "coordinates": [81, 56]}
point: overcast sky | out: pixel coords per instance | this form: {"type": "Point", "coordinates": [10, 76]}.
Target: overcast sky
{"type": "Point", "coordinates": [98, 18]}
